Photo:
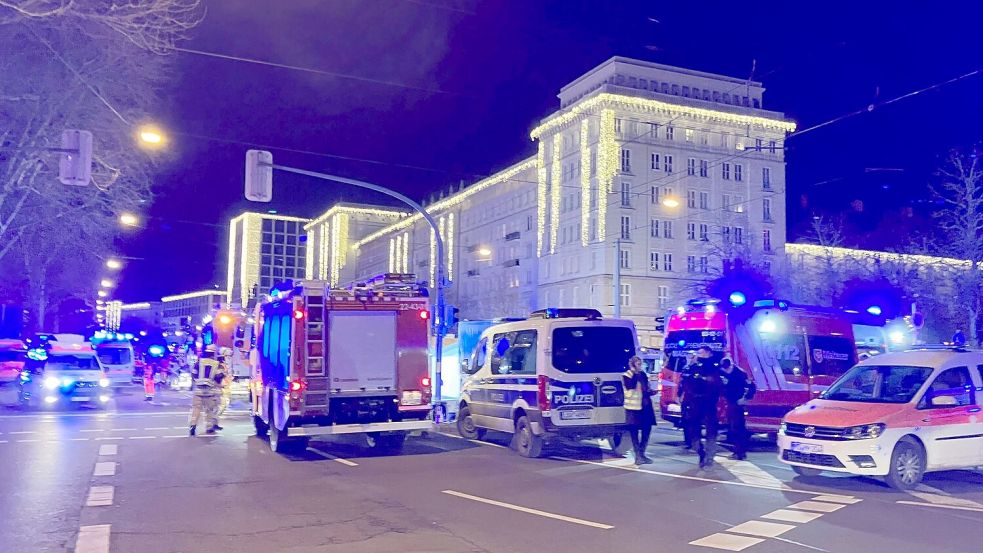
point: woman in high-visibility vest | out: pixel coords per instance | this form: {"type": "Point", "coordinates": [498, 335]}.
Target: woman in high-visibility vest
{"type": "Point", "coordinates": [639, 412]}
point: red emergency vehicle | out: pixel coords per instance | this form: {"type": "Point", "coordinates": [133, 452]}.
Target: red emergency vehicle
{"type": "Point", "coordinates": [342, 361]}
{"type": "Point", "coordinates": [792, 353]}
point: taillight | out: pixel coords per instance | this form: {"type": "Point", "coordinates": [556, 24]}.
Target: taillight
{"type": "Point", "coordinates": [542, 395]}
{"type": "Point", "coordinates": [296, 385]}
{"type": "Point", "coordinates": [424, 314]}
{"type": "Point", "coordinates": [299, 314]}
{"type": "Point", "coordinates": [425, 382]}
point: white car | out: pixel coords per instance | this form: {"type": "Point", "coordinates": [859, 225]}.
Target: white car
{"type": "Point", "coordinates": [66, 376]}
{"type": "Point", "coordinates": [894, 415]}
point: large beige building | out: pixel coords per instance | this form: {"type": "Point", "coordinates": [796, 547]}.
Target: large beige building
{"type": "Point", "coordinates": [264, 249]}
{"type": "Point", "coordinates": [648, 172]}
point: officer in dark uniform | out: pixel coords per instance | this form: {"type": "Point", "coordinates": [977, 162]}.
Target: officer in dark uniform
{"type": "Point", "coordinates": [686, 407]}
{"type": "Point", "coordinates": [738, 390]}
{"type": "Point", "coordinates": [701, 390]}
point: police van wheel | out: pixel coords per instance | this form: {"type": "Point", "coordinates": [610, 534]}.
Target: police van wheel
{"type": "Point", "coordinates": [907, 465]}
{"type": "Point", "coordinates": [466, 427]}
{"type": "Point", "coordinates": [525, 442]}
{"type": "Point", "coordinates": [262, 429]}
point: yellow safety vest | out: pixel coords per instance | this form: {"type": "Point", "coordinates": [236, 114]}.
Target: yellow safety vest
{"type": "Point", "coordinates": [633, 397]}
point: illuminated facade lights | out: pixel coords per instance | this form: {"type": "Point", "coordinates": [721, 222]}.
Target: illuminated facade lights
{"type": "Point", "coordinates": [191, 295]}
{"type": "Point", "coordinates": [555, 178]}
{"type": "Point", "coordinates": [540, 198]}
{"type": "Point", "coordinates": [450, 245]}
{"type": "Point", "coordinates": [585, 181]}
{"type": "Point", "coordinates": [404, 259]}
{"type": "Point", "coordinates": [607, 168]}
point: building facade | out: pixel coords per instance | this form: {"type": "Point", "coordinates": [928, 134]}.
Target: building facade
{"type": "Point", "coordinates": [330, 235]}
{"type": "Point", "coordinates": [189, 309]}
{"type": "Point", "coordinates": [264, 249]}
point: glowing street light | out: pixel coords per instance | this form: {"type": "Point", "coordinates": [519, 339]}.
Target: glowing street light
{"type": "Point", "coordinates": [670, 202]}
{"type": "Point", "coordinates": [151, 137]}
{"type": "Point", "coordinates": [129, 219]}
{"type": "Point", "coordinates": [484, 251]}
{"type": "Point", "coordinates": [114, 263]}
{"type": "Point", "coordinates": [102, 293]}
{"type": "Point", "coordinates": [106, 283]}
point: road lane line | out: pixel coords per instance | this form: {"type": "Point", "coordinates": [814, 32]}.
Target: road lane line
{"type": "Point", "coordinates": [100, 496]}
{"type": "Point", "coordinates": [942, 506]}
{"type": "Point", "coordinates": [176, 436]}
{"type": "Point", "coordinates": [3, 441]}
{"type": "Point", "coordinates": [727, 542]}
{"type": "Point", "coordinates": [157, 428]}
{"type": "Point", "coordinates": [449, 435]}
{"type": "Point", "coordinates": [78, 439]}
{"type": "Point", "coordinates": [93, 539]}
{"type": "Point", "coordinates": [641, 470]}
{"type": "Point", "coordinates": [527, 510]}
{"type": "Point", "coordinates": [326, 455]}
{"type": "Point", "coordinates": [141, 437]}
{"type": "Point", "coordinates": [27, 441]}
{"type": "Point", "coordinates": [833, 498]}
{"type": "Point", "coordinates": [107, 438]}
{"type": "Point", "coordinates": [817, 506]}
{"type": "Point", "coordinates": [788, 515]}
{"type": "Point", "coordinates": [93, 430]}
{"type": "Point", "coordinates": [122, 429]}
{"type": "Point", "coordinates": [105, 468]}
{"type": "Point", "coordinates": [179, 427]}
{"type": "Point", "coordinates": [108, 449]}
{"type": "Point", "coordinates": [23, 432]}
{"type": "Point", "coordinates": [761, 528]}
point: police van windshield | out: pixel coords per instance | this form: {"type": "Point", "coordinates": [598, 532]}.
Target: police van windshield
{"type": "Point", "coordinates": [593, 349]}
{"type": "Point", "coordinates": [71, 363]}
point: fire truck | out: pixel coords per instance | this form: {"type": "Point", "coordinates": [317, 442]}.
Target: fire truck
{"type": "Point", "coordinates": [229, 328]}
{"type": "Point", "coordinates": [791, 352]}
{"type": "Point", "coordinates": [342, 361]}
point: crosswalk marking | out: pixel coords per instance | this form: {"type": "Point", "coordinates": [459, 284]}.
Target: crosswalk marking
{"type": "Point", "coordinates": [100, 496]}
{"type": "Point", "coordinates": [108, 449]}
{"type": "Point", "coordinates": [788, 515]}
{"type": "Point", "coordinates": [93, 539]}
{"type": "Point", "coordinates": [749, 473]}
{"type": "Point", "coordinates": [727, 542]}
{"type": "Point", "coordinates": [833, 498]}
{"type": "Point", "coordinates": [761, 528]}
{"type": "Point", "coordinates": [817, 506]}
{"type": "Point", "coordinates": [105, 468]}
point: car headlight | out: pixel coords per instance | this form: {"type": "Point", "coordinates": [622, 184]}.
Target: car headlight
{"type": "Point", "coordinates": [782, 427]}
{"type": "Point", "coordinates": [51, 382]}
{"type": "Point", "coordinates": [104, 382]}
{"type": "Point", "coordinates": [864, 431]}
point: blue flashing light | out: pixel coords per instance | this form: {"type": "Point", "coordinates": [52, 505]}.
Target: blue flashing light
{"type": "Point", "coordinates": [681, 343]}
{"type": "Point", "coordinates": [156, 350]}
{"type": "Point", "coordinates": [875, 310]}
{"type": "Point", "coordinates": [737, 299]}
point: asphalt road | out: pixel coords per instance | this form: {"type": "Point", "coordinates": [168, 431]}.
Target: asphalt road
{"type": "Point", "coordinates": [129, 479]}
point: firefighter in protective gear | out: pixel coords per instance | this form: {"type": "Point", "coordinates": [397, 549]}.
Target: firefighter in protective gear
{"type": "Point", "coordinates": [206, 382]}
{"type": "Point", "coordinates": [226, 367]}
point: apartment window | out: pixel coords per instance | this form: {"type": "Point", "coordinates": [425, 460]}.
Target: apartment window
{"type": "Point", "coordinates": [704, 200]}
{"type": "Point", "coordinates": [654, 130]}
{"type": "Point", "coordinates": [724, 140]}
{"type": "Point", "coordinates": [667, 229]}
{"type": "Point", "coordinates": [725, 171]}
{"type": "Point", "coordinates": [668, 164]}
{"type": "Point", "coordinates": [738, 235]}
{"type": "Point", "coordinates": [766, 178]}
{"type": "Point", "coordinates": [738, 172]}
{"type": "Point", "coordinates": [625, 160]}
{"type": "Point", "coordinates": [626, 194]}
{"type": "Point", "coordinates": [766, 267]}
{"type": "Point", "coordinates": [704, 232]}
{"type": "Point", "coordinates": [670, 132]}
{"type": "Point", "coordinates": [656, 162]}
{"type": "Point", "coordinates": [725, 234]}
{"type": "Point", "coordinates": [653, 261]}
{"type": "Point", "coordinates": [632, 128]}
{"type": "Point", "coordinates": [691, 231]}
{"type": "Point", "coordinates": [691, 199]}
{"type": "Point", "coordinates": [757, 144]}
{"type": "Point", "coordinates": [626, 228]}
{"type": "Point", "coordinates": [626, 295]}
{"type": "Point", "coordinates": [738, 204]}
{"type": "Point", "coordinates": [771, 147]}
{"type": "Point", "coordinates": [766, 209]}
{"type": "Point", "coordinates": [704, 264]}
{"type": "Point", "coordinates": [655, 194]}
{"type": "Point", "coordinates": [704, 168]}
{"type": "Point", "coordinates": [766, 240]}
{"type": "Point", "coordinates": [667, 262]}
{"type": "Point", "coordinates": [705, 138]}
{"type": "Point", "coordinates": [691, 166]}
{"type": "Point", "coordinates": [689, 135]}
{"type": "Point", "coordinates": [654, 231]}
{"type": "Point", "coordinates": [690, 263]}
{"type": "Point", "coordinates": [663, 297]}
{"type": "Point", "coordinates": [617, 125]}
{"type": "Point", "coordinates": [625, 259]}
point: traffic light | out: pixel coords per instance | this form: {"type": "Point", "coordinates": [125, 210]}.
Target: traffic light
{"type": "Point", "coordinates": [450, 316]}
{"type": "Point", "coordinates": [75, 165]}
{"type": "Point", "coordinates": [259, 176]}
{"type": "Point", "coordinates": [660, 324]}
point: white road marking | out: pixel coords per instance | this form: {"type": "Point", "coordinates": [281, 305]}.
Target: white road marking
{"type": "Point", "coordinates": [24, 432]}
{"type": "Point", "coordinates": [141, 437]}
{"type": "Point", "coordinates": [816, 506]}
{"type": "Point", "coordinates": [105, 468]}
{"type": "Point", "coordinates": [176, 436]}
{"type": "Point", "coordinates": [942, 506]}
{"type": "Point", "coordinates": [788, 515]}
{"type": "Point", "coordinates": [100, 496]}
{"type": "Point", "coordinates": [185, 427]}
{"type": "Point", "coordinates": [327, 455]}
{"type": "Point", "coordinates": [106, 438]}
{"type": "Point", "coordinates": [833, 498]}
{"type": "Point", "coordinates": [527, 510]}
{"type": "Point", "coordinates": [449, 435]}
{"type": "Point", "coordinates": [93, 539]}
{"type": "Point", "coordinates": [3, 441]}
{"type": "Point", "coordinates": [749, 473]}
{"type": "Point", "coordinates": [688, 477]}
{"type": "Point", "coordinates": [157, 428]}
{"type": "Point", "coordinates": [108, 449]}
{"type": "Point", "coordinates": [761, 528]}
{"type": "Point", "coordinates": [490, 444]}
{"type": "Point", "coordinates": [93, 430]}
{"type": "Point", "coordinates": [78, 439]}
{"type": "Point", "coordinates": [727, 542]}
{"type": "Point", "coordinates": [939, 497]}
{"type": "Point", "coordinates": [27, 441]}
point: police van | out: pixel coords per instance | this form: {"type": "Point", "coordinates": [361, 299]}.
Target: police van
{"type": "Point", "coordinates": [557, 374]}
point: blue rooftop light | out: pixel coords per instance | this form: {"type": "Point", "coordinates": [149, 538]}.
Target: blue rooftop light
{"type": "Point", "coordinates": [737, 299]}
{"type": "Point", "coordinates": [875, 310]}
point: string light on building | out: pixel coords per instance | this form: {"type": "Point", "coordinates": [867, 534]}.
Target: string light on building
{"type": "Point", "coordinates": [450, 245]}
{"type": "Point", "coordinates": [607, 167]}
{"type": "Point", "coordinates": [433, 257]}
{"type": "Point", "coordinates": [540, 198]}
{"type": "Point", "coordinates": [392, 255]}
{"type": "Point", "coordinates": [405, 257]}
{"type": "Point", "coordinates": [555, 177]}
{"type": "Point", "coordinates": [585, 181]}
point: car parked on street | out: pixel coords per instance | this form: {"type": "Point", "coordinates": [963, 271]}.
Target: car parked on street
{"type": "Point", "coordinates": [66, 375]}
{"type": "Point", "coordinates": [894, 415]}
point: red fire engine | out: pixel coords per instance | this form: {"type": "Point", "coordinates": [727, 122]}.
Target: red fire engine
{"type": "Point", "coordinates": [791, 352]}
{"type": "Point", "coordinates": [342, 361]}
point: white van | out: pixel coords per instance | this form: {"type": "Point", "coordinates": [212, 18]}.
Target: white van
{"type": "Point", "coordinates": [557, 374]}
{"type": "Point", "coordinates": [117, 359]}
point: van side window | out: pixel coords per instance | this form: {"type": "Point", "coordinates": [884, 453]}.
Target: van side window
{"type": "Point", "coordinates": [514, 353]}
{"type": "Point", "coordinates": [954, 383]}
{"type": "Point", "coordinates": [477, 357]}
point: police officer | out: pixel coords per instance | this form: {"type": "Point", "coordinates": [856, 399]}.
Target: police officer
{"type": "Point", "coordinates": [701, 391]}
{"type": "Point", "coordinates": [738, 390]}
{"type": "Point", "coordinates": [206, 379]}
{"type": "Point", "coordinates": [686, 406]}
{"type": "Point", "coordinates": [639, 412]}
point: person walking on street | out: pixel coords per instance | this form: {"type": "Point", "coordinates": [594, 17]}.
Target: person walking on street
{"type": "Point", "coordinates": [685, 407]}
{"type": "Point", "coordinates": [149, 390]}
{"type": "Point", "coordinates": [738, 390]}
{"type": "Point", "coordinates": [702, 389]}
{"type": "Point", "coordinates": [206, 379]}
{"type": "Point", "coordinates": [639, 412]}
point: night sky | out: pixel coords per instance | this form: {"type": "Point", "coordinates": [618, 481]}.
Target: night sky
{"type": "Point", "coordinates": [440, 91]}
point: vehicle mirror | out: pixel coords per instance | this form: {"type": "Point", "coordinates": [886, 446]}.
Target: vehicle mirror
{"type": "Point", "coordinates": [943, 401]}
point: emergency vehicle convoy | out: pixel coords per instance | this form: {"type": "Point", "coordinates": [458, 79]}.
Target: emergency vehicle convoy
{"type": "Point", "coordinates": [791, 352]}
{"type": "Point", "coordinates": [342, 361]}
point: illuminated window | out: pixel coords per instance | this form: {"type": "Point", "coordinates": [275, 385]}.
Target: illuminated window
{"type": "Point", "coordinates": [689, 135]}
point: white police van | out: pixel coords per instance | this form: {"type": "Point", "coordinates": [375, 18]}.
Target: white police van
{"type": "Point", "coordinates": [557, 374]}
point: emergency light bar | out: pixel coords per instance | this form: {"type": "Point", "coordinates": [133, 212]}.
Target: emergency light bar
{"type": "Point", "coordinates": [566, 313]}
